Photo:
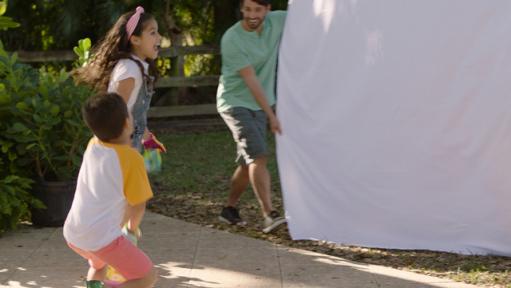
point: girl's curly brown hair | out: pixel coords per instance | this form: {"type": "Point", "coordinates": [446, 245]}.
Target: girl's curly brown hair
{"type": "Point", "coordinates": [113, 47]}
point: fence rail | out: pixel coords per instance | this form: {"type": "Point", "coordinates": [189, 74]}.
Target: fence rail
{"type": "Point", "coordinates": [46, 56]}
{"type": "Point", "coordinates": [194, 81]}
{"type": "Point", "coordinates": [164, 82]}
{"type": "Point", "coordinates": [182, 110]}
{"type": "Point", "coordinates": [67, 55]}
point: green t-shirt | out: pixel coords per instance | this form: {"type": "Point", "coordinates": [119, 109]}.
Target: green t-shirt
{"type": "Point", "coordinates": [239, 49]}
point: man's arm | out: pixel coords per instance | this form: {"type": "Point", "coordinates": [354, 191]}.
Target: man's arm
{"type": "Point", "coordinates": [249, 76]}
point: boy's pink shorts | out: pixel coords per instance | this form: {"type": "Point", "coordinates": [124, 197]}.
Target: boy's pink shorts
{"type": "Point", "coordinates": [121, 254]}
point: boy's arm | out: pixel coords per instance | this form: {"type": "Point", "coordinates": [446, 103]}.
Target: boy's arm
{"type": "Point", "coordinates": [137, 189]}
{"type": "Point", "coordinates": [249, 76]}
{"type": "Point", "coordinates": [133, 216]}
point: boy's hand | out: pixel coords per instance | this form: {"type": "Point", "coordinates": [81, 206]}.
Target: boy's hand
{"type": "Point", "coordinates": [133, 236]}
{"type": "Point", "coordinates": [152, 143]}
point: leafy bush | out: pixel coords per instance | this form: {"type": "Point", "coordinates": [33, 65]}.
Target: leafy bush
{"type": "Point", "coordinates": [6, 22]}
{"type": "Point", "coordinates": [43, 136]}
{"type": "Point", "coordinates": [40, 113]}
{"type": "Point", "coordinates": [15, 200]}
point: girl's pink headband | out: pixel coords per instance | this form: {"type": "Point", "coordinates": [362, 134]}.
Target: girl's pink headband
{"type": "Point", "coordinates": [133, 22]}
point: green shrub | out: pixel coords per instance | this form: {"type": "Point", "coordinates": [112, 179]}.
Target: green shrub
{"type": "Point", "coordinates": [43, 136]}
{"type": "Point", "coordinates": [42, 121]}
{"type": "Point", "coordinates": [15, 200]}
{"type": "Point", "coordinates": [6, 22]}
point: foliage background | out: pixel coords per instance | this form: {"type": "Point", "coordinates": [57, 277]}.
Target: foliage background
{"type": "Point", "coordinates": [59, 24]}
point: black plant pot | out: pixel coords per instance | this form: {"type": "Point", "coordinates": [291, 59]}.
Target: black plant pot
{"type": "Point", "coordinates": [57, 197]}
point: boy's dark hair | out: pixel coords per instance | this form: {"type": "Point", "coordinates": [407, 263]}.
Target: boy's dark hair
{"type": "Point", "coordinates": [106, 115]}
{"type": "Point", "coordinates": [260, 2]}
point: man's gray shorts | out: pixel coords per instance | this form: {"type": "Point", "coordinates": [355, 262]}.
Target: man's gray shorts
{"type": "Point", "coordinates": [248, 129]}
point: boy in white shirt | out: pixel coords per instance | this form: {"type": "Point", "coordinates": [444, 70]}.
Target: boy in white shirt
{"type": "Point", "coordinates": [112, 191]}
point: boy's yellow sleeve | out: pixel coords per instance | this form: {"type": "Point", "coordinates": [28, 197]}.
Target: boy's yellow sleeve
{"type": "Point", "coordinates": [137, 189]}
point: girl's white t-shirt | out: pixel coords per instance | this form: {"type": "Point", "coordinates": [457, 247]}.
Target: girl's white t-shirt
{"type": "Point", "coordinates": [124, 69]}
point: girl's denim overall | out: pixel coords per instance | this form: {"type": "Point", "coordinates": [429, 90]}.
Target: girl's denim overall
{"type": "Point", "coordinates": [139, 111]}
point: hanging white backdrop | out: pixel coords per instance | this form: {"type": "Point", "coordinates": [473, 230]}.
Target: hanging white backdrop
{"type": "Point", "coordinates": [396, 119]}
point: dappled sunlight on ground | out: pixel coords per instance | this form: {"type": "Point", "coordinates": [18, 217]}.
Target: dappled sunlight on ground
{"type": "Point", "coordinates": [210, 276]}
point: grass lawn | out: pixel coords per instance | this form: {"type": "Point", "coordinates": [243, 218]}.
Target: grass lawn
{"type": "Point", "coordinates": [193, 187]}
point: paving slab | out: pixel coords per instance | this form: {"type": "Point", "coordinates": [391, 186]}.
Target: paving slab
{"type": "Point", "coordinates": [192, 256]}
{"type": "Point", "coordinates": [301, 268]}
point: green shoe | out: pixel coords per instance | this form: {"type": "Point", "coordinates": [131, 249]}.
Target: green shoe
{"type": "Point", "coordinates": [94, 284]}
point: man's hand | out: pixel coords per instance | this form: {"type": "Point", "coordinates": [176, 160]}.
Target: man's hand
{"type": "Point", "coordinates": [275, 125]}
{"type": "Point", "coordinates": [249, 76]}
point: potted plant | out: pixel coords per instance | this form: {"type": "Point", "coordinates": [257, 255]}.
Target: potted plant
{"type": "Point", "coordinates": [44, 132]}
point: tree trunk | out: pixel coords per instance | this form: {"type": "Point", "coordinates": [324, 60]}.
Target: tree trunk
{"type": "Point", "coordinates": [226, 13]}
{"type": "Point", "coordinates": [177, 64]}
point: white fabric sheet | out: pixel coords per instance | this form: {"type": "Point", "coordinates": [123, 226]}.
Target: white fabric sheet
{"type": "Point", "coordinates": [396, 119]}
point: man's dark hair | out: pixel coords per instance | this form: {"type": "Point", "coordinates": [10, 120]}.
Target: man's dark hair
{"type": "Point", "coordinates": [105, 114]}
{"type": "Point", "coordinates": [260, 2]}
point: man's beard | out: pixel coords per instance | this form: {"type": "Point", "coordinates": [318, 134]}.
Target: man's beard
{"type": "Point", "coordinates": [253, 26]}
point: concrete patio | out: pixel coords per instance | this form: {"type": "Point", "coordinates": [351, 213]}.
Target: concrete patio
{"type": "Point", "coordinates": [188, 255]}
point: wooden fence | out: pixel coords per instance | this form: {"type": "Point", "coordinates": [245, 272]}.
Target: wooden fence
{"type": "Point", "coordinates": [164, 82]}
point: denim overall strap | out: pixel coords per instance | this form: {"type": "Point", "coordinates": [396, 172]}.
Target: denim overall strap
{"type": "Point", "coordinates": [139, 113]}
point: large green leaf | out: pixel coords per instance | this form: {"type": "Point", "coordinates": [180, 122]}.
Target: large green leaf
{"type": "Point", "coordinates": [3, 7]}
{"type": "Point", "coordinates": [7, 22]}
{"type": "Point", "coordinates": [85, 44]}
{"type": "Point", "coordinates": [18, 128]}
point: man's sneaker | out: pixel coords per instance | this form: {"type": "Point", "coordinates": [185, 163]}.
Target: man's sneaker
{"type": "Point", "coordinates": [94, 284]}
{"type": "Point", "coordinates": [230, 215]}
{"type": "Point", "coordinates": [273, 221]}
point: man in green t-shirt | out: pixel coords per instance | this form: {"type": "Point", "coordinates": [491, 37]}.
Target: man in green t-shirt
{"type": "Point", "coordinates": [245, 100]}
